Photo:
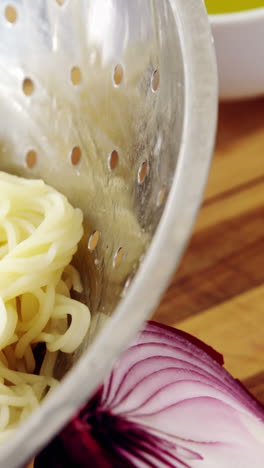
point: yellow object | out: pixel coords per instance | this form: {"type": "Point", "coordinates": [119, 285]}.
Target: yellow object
{"type": "Point", "coordinates": [229, 6]}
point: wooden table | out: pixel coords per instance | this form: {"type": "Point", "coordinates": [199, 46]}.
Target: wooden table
{"type": "Point", "coordinates": [217, 293]}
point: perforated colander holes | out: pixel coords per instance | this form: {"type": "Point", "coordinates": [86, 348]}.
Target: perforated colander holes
{"type": "Point", "coordinates": [118, 75]}
{"type": "Point", "coordinates": [126, 285]}
{"type": "Point", "coordinates": [31, 159]}
{"type": "Point", "coordinates": [161, 196]}
{"type": "Point", "coordinates": [76, 75]}
{"type": "Point", "coordinates": [118, 257]}
{"type": "Point", "coordinates": [75, 155]}
{"type": "Point", "coordinates": [28, 86]}
{"type": "Point", "coordinates": [10, 14]}
{"type": "Point", "coordinates": [113, 160]}
{"type": "Point", "coordinates": [155, 81]}
{"type": "Point", "coordinates": [93, 241]}
{"type": "Point", "coordinates": [92, 244]}
{"type": "Point", "coordinates": [142, 172]}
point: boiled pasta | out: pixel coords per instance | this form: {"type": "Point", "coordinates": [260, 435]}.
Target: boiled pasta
{"type": "Point", "coordinates": [39, 234]}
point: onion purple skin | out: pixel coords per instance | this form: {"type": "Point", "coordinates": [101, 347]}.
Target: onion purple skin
{"type": "Point", "coordinates": [168, 403]}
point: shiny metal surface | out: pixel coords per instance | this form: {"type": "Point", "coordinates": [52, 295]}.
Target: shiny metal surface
{"type": "Point", "coordinates": [116, 100]}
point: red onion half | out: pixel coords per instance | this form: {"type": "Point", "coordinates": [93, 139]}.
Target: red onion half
{"type": "Point", "coordinates": [167, 403]}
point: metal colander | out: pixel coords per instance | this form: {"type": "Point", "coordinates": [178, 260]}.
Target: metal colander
{"type": "Point", "coordinates": [113, 103]}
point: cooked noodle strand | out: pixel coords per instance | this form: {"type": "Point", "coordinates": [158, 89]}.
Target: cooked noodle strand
{"type": "Point", "coordinates": [39, 234]}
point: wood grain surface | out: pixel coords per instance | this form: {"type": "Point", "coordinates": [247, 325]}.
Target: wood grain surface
{"type": "Point", "coordinates": [217, 293]}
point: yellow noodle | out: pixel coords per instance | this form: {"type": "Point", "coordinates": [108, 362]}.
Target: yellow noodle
{"type": "Point", "coordinates": [39, 234]}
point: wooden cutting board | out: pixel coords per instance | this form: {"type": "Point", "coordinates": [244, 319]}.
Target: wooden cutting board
{"type": "Point", "coordinates": [217, 293]}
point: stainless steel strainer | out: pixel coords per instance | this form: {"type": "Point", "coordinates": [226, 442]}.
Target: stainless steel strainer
{"type": "Point", "coordinates": [112, 102]}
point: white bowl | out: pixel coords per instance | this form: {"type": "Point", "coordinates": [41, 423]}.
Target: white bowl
{"type": "Point", "coordinates": [239, 43]}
